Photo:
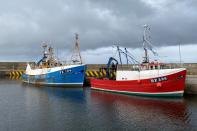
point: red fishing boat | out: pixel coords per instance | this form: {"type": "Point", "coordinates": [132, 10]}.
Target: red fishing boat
{"type": "Point", "coordinates": [147, 78]}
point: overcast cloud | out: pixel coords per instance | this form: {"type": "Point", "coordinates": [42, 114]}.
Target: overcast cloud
{"type": "Point", "coordinates": [25, 24]}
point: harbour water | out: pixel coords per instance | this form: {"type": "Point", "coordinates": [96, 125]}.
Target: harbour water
{"type": "Point", "coordinates": [30, 108]}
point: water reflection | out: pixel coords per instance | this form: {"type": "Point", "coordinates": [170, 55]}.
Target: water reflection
{"type": "Point", "coordinates": [76, 94]}
{"type": "Point", "coordinates": [54, 108]}
{"type": "Point", "coordinates": [167, 113]}
{"type": "Point", "coordinates": [29, 107]}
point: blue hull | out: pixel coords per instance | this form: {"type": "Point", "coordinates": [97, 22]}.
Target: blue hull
{"type": "Point", "coordinates": [65, 77]}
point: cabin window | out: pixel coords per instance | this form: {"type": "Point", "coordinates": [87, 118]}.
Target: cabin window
{"type": "Point", "coordinates": [156, 67]}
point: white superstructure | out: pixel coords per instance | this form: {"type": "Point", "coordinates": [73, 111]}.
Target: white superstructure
{"type": "Point", "coordinates": [42, 71]}
{"type": "Point", "coordinates": [145, 74]}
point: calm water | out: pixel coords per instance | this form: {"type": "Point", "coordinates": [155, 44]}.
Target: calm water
{"type": "Point", "coordinates": [29, 108]}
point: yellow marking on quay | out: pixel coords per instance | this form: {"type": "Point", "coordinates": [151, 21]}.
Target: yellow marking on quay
{"type": "Point", "coordinates": [87, 74]}
{"type": "Point", "coordinates": [17, 74]}
{"type": "Point", "coordinates": [104, 72]}
{"type": "Point", "coordinates": [91, 74]}
{"type": "Point", "coordinates": [12, 73]}
{"type": "Point", "coordinates": [20, 72]}
{"type": "Point", "coordinates": [96, 74]}
{"type": "Point", "coordinates": [101, 74]}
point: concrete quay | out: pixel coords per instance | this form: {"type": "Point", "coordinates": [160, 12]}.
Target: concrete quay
{"type": "Point", "coordinates": [191, 84]}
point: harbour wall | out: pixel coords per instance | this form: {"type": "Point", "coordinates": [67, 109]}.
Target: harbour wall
{"type": "Point", "coordinates": [14, 66]}
{"type": "Point", "coordinates": [6, 69]}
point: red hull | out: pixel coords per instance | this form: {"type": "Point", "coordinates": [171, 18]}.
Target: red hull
{"type": "Point", "coordinates": [173, 86]}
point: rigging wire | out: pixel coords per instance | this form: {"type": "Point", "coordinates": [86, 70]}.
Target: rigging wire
{"type": "Point", "coordinates": [129, 55]}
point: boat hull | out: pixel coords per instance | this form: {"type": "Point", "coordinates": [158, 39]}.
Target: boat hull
{"type": "Point", "coordinates": [169, 85]}
{"type": "Point", "coordinates": [69, 77]}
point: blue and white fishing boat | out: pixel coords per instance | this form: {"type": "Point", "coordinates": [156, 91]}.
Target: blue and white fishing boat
{"type": "Point", "coordinates": [49, 71]}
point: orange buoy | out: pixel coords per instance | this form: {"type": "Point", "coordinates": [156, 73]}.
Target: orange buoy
{"type": "Point", "coordinates": [159, 84]}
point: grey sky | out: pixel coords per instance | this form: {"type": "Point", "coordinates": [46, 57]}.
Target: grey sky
{"type": "Point", "coordinates": [25, 24]}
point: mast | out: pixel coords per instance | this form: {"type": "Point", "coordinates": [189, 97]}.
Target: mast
{"type": "Point", "coordinates": [146, 58]}
{"type": "Point", "coordinates": [126, 53]}
{"type": "Point", "coordinates": [147, 44]}
{"type": "Point", "coordinates": [45, 54]}
{"type": "Point", "coordinates": [44, 49]}
{"type": "Point", "coordinates": [76, 56]}
{"type": "Point", "coordinates": [119, 55]}
{"type": "Point", "coordinates": [51, 58]}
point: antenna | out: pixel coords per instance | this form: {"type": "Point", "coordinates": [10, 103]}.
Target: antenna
{"type": "Point", "coordinates": [76, 56]}
{"type": "Point", "coordinates": [180, 52]}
